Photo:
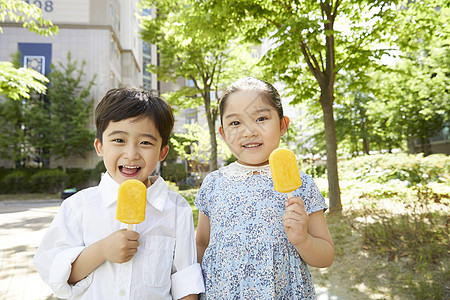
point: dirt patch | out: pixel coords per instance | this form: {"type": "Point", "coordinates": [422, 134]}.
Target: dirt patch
{"type": "Point", "coordinates": [362, 273]}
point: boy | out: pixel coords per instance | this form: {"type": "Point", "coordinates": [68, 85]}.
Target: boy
{"type": "Point", "coordinates": [86, 253]}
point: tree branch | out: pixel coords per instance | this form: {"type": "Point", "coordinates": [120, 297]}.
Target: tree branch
{"type": "Point", "coordinates": [314, 70]}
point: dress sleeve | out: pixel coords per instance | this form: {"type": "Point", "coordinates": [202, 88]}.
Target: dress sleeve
{"type": "Point", "coordinates": [187, 278]}
{"type": "Point", "coordinates": [204, 193]}
{"type": "Point", "coordinates": [311, 195]}
{"type": "Point", "coordinates": [60, 246]}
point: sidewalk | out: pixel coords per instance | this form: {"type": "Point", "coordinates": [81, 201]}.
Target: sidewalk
{"type": "Point", "coordinates": [22, 226]}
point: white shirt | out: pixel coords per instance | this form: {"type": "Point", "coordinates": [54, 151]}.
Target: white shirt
{"type": "Point", "coordinates": [164, 267]}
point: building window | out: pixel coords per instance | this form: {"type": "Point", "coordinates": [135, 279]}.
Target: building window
{"type": "Point", "coordinates": [115, 49]}
{"type": "Point", "coordinates": [190, 83]}
{"type": "Point", "coordinates": [191, 115]}
{"type": "Point", "coordinates": [35, 62]}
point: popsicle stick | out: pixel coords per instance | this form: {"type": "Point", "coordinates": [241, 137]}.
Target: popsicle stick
{"type": "Point", "coordinates": [289, 194]}
{"type": "Point", "coordinates": [130, 227]}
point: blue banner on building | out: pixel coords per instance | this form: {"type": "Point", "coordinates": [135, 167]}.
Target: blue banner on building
{"type": "Point", "coordinates": [36, 56]}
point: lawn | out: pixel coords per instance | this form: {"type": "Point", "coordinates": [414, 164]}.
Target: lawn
{"type": "Point", "coordinates": [392, 237]}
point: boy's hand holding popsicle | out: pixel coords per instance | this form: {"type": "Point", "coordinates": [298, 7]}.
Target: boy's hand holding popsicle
{"type": "Point", "coordinates": [131, 202]}
{"type": "Point", "coordinates": [286, 179]}
{"type": "Point", "coordinates": [121, 246]}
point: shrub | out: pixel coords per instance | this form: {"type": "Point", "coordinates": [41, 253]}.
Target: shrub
{"type": "Point", "coordinates": [15, 182]}
{"type": "Point", "coordinates": [77, 178]}
{"type": "Point", "coordinates": [48, 181]}
{"type": "Point", "coordinates": [96, 173]}
{"type": "Point", "coordinates": [313, 170]}
{"type": "Point", "coordinates": [174, 172]}
{"type": "Point", "coordinates": [172, 186]}
{"type": "Point", "coordinates": [410, 169]}
{"type": "Point", "coordinates": [184, 186]}
{"type": "Point", "coordinates": [189, 195]}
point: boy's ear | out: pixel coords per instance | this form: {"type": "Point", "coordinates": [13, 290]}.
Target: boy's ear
{"type": "Point", "coordinates": [222, 133]}
{"type": "Point", "coordinates": [163, 153]}
{"type": "Point", "coordinates": [284, 124]}
{"type": "Point", "coordinates": [98, 147]}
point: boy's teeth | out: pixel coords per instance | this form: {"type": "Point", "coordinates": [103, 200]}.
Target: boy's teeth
{"type": "Point", "coordinates": [130, 170]}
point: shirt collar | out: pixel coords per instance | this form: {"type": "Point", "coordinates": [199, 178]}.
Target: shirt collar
{"type": "Point", "coordinates": [156, 194]}
{"type": "Point", "coordinates": [240, 172]}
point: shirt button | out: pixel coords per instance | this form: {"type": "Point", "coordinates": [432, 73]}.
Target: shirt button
{"type": "Point", "coordinates": [122, 293]}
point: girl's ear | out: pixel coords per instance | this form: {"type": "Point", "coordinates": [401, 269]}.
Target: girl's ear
{"type": "Point", "coordinates": [163, 153]}
{"type": "Point", "coordinates": [284, 124]}
{"type": "Point", "coordinates": [98, 147]}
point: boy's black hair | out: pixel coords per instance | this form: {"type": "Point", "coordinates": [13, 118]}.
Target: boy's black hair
{"type": "Point", "coordinates": [128, 102]}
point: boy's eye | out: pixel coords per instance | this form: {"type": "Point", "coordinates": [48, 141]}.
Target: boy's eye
{"type": "Point", "coordinates": [118, 140]}
{"type": "Point", "coordinates": [146, 143]}
{"type": "Point", "coordinates": [235, 123]}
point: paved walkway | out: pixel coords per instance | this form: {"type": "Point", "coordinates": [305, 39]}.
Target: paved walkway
{"type": "Point", "coordinates": [22, 225]}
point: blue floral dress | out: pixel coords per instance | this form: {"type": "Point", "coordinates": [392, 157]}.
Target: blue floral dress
{"type": "Point", "coordinates": [249, 255]}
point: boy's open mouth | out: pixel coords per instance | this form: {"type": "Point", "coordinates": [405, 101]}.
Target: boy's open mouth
{"type": "Point", "coordinates": [129, 170]}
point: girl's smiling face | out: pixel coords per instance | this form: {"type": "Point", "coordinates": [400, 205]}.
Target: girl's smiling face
{"type": "Point", "coordinates": [131, 148]}
{"type": "Point", "coordinates": [251, 127]}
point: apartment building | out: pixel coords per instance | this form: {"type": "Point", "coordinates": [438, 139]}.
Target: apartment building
{"type": "Point", "coordinates": [104, 33]}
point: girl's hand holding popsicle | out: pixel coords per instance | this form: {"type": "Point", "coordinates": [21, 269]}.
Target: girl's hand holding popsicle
{"type": "Point", "coordinates": [286, 179]}
{"type": "Point", "coordinates": [295, 221]}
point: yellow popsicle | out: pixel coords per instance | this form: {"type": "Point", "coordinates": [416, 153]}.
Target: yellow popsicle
{"type": "Point", "coordinates": [284, 169]}
{"type": "Point", "coordinates": [131, 202]}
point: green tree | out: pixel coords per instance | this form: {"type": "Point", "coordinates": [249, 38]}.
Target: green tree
{"type": "Point", "coordinates": [317, 41]}
{"type": "Point", "coordinates": [360, 124]}
{"type": "Point", "coordinates": [198, 49]}
{"type": "Point", "coordinates": [12, 136]}
{"type": "Point", "coordinates": [18, 82]}
{"type": "Point", "coordinates": [406, 100]}
{"type": "Point", "coordinates": [310, 51]}
{"type": "Point", "coordinates": [420, 80]}
{"type": "Point", "coordinates": [194, 145]}
{"type": "Point", "coordinates": [70, 110]}
{"type": "Point", "coordinates": [16, 118]}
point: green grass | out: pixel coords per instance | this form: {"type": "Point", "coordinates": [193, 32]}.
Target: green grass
{"type": "Point", "coordinates": [189, 195]}
{"type": "Point", "coordinates": [391, 242]}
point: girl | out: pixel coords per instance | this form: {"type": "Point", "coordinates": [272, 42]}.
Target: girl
{"type": "Point", "coordinates": [254, 243]}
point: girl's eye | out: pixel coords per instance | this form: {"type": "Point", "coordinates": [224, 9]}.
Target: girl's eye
{"type": "Point", "coordinates": [260, 119]}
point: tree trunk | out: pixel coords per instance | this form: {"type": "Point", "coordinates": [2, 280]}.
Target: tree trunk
{"type": "Point", "coordinates": [212, 134]}
{"type": "Point", "coordinates": [325, 76]}
{"type": "Point", "coordinates": [366, 146]}
{"type": "Point", "coordinates": [334, 192]}
{"type": "Point", "coordinates": [426, 146]}
{"type": "Point", "coordinates": [211, 118]}
{"type": "Point", "coordinates": [411, 145]}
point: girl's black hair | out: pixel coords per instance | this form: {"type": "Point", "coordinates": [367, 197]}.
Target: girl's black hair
{"type": "Point", "coordinates": [269, 93]}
